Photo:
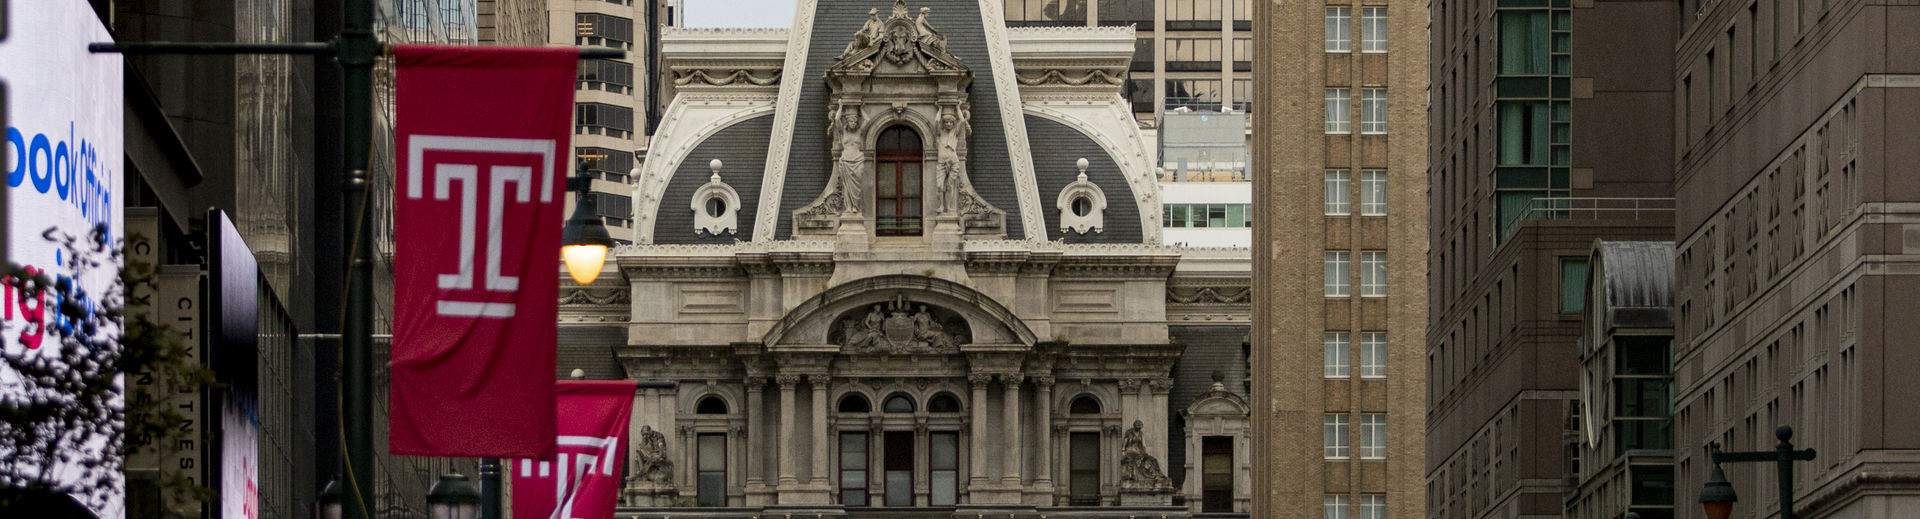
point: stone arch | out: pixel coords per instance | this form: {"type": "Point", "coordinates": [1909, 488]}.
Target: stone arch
{"type": "Point", "coordinates": [943, 399]}
{"type": "Point", "coordinates": [810, 322]}
{"type": "Point", "coordinates": [688, 401]}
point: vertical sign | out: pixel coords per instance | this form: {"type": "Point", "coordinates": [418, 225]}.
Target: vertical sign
{"type": "Point", "coordinates": [61, 158]}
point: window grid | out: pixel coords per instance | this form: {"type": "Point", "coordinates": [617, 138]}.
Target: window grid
{"type": "Point", "coordinates": [1373, 192]}
{"type": "Point", "coordinates": [1336, 269]}
{"type": "Point", "coordinates": [1336, 355]}
{"type": "Point", "coordinates": [1338, 191]}
{"type": "Point", "coordinates": [1373, 29]}
{"type": "Point", "coordinates": [1373, 273]}
{"type": "Point", "coordinates": [1373, 437]}
{"type": "Point", "coordinates": [1340, 29]}
{"type": "Point", "coordinates": [1373, 355]}
{"type": "Point", "coordinates": [1372, 506]}
{"type": "Point", "coordinates": [1339, 110]}
{"type": "Point", "coordinates": [1373, 110]}
{"type": "Point", "coordinates": [1335, 507]}
{"type": "Point", "coordinates": [1334, 431]}
{"type": "Point", "coordinates": [1206, 215]}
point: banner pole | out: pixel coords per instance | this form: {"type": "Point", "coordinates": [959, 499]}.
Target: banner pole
{"type": "Point", "coordinates": [358, 50]}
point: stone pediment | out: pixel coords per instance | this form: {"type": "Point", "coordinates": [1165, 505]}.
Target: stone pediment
{"type": "Point", "coordinates": [901, 43]}
{"type": "Point", "coordinates": [1218, 402]}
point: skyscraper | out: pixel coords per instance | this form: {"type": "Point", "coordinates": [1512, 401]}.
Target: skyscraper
{"type": "Point", "coordinates": [1339, 226]}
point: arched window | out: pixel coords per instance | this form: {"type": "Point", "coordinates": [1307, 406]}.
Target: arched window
{"type": "Point", "coordinates": [896, 181]}
{"type": "Point", "coordinates": [711, 405]}
{"type": "Point", "coordinates": [943, 403]}
{"type": "Point", "coordinates": [1084, 405]}
{"type": "Point", "coordinates": [898, 403]}
{"type": "Point", "coordinates": [854, 403]}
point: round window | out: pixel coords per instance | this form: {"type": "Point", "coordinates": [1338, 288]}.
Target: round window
{"type": "Point", "coordinates": [1082, 206]}
{"type": "Point", "coordinates": [716, 206]}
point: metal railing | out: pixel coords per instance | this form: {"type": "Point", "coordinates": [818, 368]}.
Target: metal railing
{"type": "Point", "coordinates": [1597, 208]}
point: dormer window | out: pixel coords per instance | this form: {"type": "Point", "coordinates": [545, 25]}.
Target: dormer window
{"type": "Point", "coordinates": [896, 181]}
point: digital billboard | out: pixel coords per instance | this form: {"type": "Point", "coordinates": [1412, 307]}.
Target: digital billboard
{"type": "Point", "coordinates": [59, 336]}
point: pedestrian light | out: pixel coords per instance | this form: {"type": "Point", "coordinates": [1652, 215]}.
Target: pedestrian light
{"type": "Point", "coordinates": [453, 498]}
{"type": "Point", "coordinates": [584, 241]}
{"type": "Point", "coordinates": [1717, 498]}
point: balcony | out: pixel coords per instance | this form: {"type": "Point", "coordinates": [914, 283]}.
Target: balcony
{"type": "Point", "coordinates": [1594, 209]}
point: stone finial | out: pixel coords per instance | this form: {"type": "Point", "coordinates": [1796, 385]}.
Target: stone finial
{"type": "Point", "coordinates": [715, 166]}
{"type": "Point", "coordinates": [1082, 164]}
{"type": "Point", "coordinates": [578, 374]}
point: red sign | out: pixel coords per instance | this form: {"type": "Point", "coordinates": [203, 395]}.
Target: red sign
{"type": "Point", "coordinates": [582, 480]}
{"type": "Point", "coordinates": [481, 137]}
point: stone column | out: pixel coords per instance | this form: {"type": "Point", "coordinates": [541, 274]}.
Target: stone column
{"type": "Point", "coordinates": [1130, 400]}
{"type": "Point", "coordinates": [1043, 416]}
{"type": "Point", "coordinates": [787, 446]}
{"type": "Point", "coordinates": [819, 383]}
{"type": "Point", "coordinates": [1153, 400]}
{"type": "Point", "coordinates": [756, 467]}
{"type": "Point", "coordinates": [1011, 463]}
{"type": "Point", "coordinates": [736, 486]}
{"type": "Point", "coordinates": [977, 438]}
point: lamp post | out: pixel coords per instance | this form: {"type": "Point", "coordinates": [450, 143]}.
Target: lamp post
{"type": "Point", "coordinates": [584, 241]}
{"type": "Point", "coordinates": [452, 498]}
{"type": "Point", "coordinates": [330, 501]}
{"type": "Point", "coordinates": [1717, 496]}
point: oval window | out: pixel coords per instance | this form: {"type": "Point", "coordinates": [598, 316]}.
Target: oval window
{"type": "Point", "coordinates": [716, 206]}
{"type": "Point", "coordinates": [1082, 206]}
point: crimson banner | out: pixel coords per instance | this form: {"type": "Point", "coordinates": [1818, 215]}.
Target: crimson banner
{"type": "Point", "coordinates": [583, 479]}
{"type": "Point", "coordinates": [481, 137]}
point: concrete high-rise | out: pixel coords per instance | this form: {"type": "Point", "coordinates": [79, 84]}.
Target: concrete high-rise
{"type": "Point", "coordinates": [1798, 134]}
{"type": "Point", "coordinates": [1339, 112]}
{"type": "Point", "coordinates": [1548, 132]}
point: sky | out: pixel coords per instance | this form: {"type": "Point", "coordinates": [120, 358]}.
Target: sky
{"type": "Point", "coordinates": [739, 13]}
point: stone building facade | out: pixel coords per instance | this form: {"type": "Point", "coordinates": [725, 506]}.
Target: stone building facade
{"type": "Point", "coordinates": [900, 260]}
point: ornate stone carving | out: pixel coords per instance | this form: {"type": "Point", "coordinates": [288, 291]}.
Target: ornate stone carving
{"type": "Point", "coordinates": [787, 380]}
{"type": "Point", "coordinates": [1139, 470]}
{"type": "Point", "coordinates": [650, 462]}
{"type": "Point", "coordinates": [979, 380]}
{"type": "Point", "coordinates": [819, 381]}
{"type": "Point", "coordinates": [741, 77]}
{"type": "Point", "coordinates": [716, 205]}
{"type": "Point", "coordinates": [1043, 380]}
{"type": "Point", "coordinates": [756, 384]}
{"type": "Point", "coordinates": [1210, 295]}
{"type": "Point", "coordinates": [587, 296]}
{"type": "Point", "coordinates": [774, 176]}
{"type": "Point", "coordinates": [901, 40]}
{"type": "Point", "coordinates": [898, 327]}
{"type": "Point", "coordinates": [1058, 77]}
{"type": "Point", "coordinates": [1160, 385]}
{"type": "Point", "coordinates": [1012, 380]}
{"type": "Point", "coordinates": [1082, 204]}
{"type": "Point", "coordinates": [1130, 385]}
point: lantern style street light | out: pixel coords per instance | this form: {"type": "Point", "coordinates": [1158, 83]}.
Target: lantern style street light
{"type": "Point", "coordinates": [453, 498]}
{"type": "Point", "coordinates": [584, 241]}
{"type": "Point", "coordinates": [1717, 497]}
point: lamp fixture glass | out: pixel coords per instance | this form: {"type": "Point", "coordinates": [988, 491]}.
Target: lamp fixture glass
{"type": "Point", "coordinates": [1717, 498]}
{"type": "Point", "coordinates": [330, 506]}
{"type": "Point", "coordinates": [584, 241]}
{"type": "Point", "coordinates": [453, 498]}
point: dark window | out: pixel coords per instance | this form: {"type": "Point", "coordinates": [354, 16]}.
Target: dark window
{"type": "Point", "coordinates": [898, 404]}
{"type": "Point", "coordinates": [1084, 405]}
{"type": "Point", "coordinates": [1083, 473]}
{"type": "Point", "coordinates": [1139, 92]}
{"type": "Point", "coordinates": [601, 29]}
{"type": "Point", "coordinates": [943, 403]}
{"type": "Point", "coordinates": [1643, 354]}
{"type": "Point", "coordinates": [945, 470]}
{"type": "Point", "coordinates": [713, 469]}
{"type": "Point", "coordinates": [603, 119]}
{"type": "Point", "coordinates": [1652, 485]}
{"type": "Point", "coordinates": [711, 405]}
{"type": "Point", "coordinates": [606, 74]}
{"type": "Point", "coordinates": [855, 404]}
{"type": "Point", "coordinates": [613, 206]}
{"type": "Point", "coordinates": [610, 164]}
{"type": "Point", "coordinates": [1046, 13]}
{"type": "Point", "coordinates": [1082, 206]}
{"type": "Point", "coordinates": [899, 466]}
{"type": "Point", "coordinates": [716, 206]}
{"type": "Point", "coordinates": [897, 183]}
{"type": "Point", "coordinates": [853, 462]}
{"type": "Point", "coordinates": [1573, 283]}
{"type": "Point", "coordinates": [1216, 474]}
{"type": "Point", "coordinates": [1127, 12]}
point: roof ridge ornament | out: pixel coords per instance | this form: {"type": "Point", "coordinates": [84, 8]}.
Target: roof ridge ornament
{"type": "Point", "coordinates": [901, 38]}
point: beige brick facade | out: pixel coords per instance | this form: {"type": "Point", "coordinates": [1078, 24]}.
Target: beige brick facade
{"type": "Point", "coordinates": [1293, 150]}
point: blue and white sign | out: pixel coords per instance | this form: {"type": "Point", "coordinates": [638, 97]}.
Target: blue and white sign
{"type": "Point", "coordinates": [62, 159]}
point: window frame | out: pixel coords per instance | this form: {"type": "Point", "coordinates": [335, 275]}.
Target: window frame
{"type": "Point", "coordinates": [1373, 437]}
{"type": "Point", "coordinates": [1340, 182]}
{"type": "Point", "coordinates": [1373, 355]}
{"type": "Point", "coordinates": [1338, 267]}
{"type": "Point", "coordinates": [1373, 40]}
{"type": "Point", "coordinates": [1336, 437]}
{"type": "Point", "coordinates": [1373, 192]}
{"type": "Point", "coordinates": [1339, 106]}
{"type": "Point", "coordinates": [1373, 111]}
{"type": "Point", "coordinates": [1339, 30]}
{"type": "Point", "coordinates": [1373, 273]}
{"type": "Point", "coordinates": [1335, 362]}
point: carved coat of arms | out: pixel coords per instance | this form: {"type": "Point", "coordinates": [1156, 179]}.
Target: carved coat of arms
{"type": "Point", "coordinates": [898, 327]}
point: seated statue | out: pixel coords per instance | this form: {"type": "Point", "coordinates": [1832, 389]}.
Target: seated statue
{"type": "Point", "coordinates": [650, 463]}
{"type": "Point", "coordinates": [1139, 470]}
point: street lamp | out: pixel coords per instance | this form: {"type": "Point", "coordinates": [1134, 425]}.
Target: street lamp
{"type": "Point", "coordinates": [584, 241]}
{"type": "Point", "coordinates": [1717, 497]}
{"type": "Point", "coordinates": [453, 498]}
{"type": "Point", "coordinates": [330, 501]}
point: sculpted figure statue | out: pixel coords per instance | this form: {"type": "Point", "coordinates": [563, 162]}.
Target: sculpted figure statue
{"type": "Point", "coordinates": [851, 163]}
{"type": "Point", "coordinates": [931, 40]}
{"type": "Point", "coordinates": [650, 463]}
{"type": "Point", "coordinates": [868, 35]}
{"type": "Point", "coordinates": [928, 330]}
{"type": "Point", "coordinates": [1139, 470]}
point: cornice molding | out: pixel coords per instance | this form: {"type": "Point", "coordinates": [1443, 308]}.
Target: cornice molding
{"type": "Point", "coordinates": [787, 108]}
